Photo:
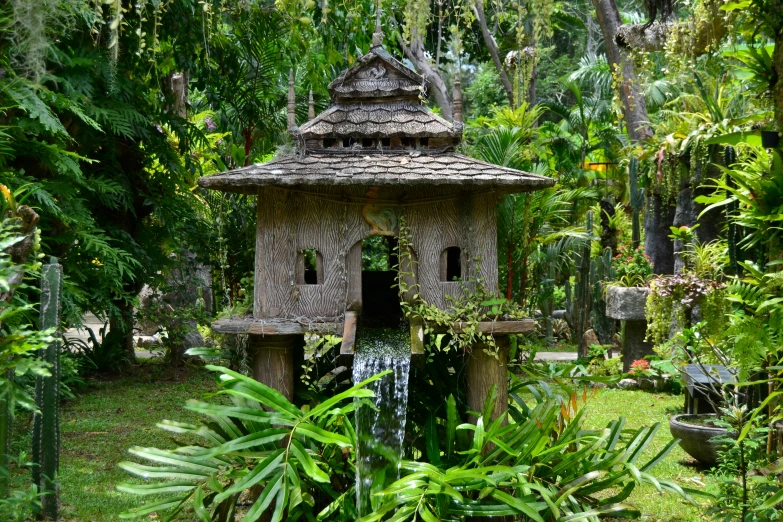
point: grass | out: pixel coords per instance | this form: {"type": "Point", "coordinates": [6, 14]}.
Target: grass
{"type": "Point", "coordinates": [114, 415]}
{"type": "Point", "coordinates": [644, 409]}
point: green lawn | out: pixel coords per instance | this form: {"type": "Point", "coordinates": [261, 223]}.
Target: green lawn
{"type": "Point", "coordinates": [113, 415]}
{"type": "Point", "coordinates": [644, 409]}
{"type": "Point", "coordinates": [102, 423]}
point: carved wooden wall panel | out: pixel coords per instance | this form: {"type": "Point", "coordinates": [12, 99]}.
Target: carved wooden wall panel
{"type": "Point", "coordinates": [292, 221]}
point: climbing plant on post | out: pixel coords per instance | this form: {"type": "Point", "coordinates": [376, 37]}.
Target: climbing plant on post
{"type": "Point", "coordinates": [46, 422]}
{"type": "Point", "coordinates": [637, 199]}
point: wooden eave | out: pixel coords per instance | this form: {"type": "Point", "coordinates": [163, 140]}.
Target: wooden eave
{"type": "Point", "coordinates": [273, 327]}
{"type": "Point", "coordinates": [375, 168]}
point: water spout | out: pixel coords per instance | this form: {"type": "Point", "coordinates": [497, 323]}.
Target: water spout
{"type": "Point", "coordinates": [380, 428]}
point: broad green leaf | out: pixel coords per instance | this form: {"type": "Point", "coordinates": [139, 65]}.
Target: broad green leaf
{"type": "Point", "coordinates": [174, 473]}
{"type": "Point", "coordinates": [321, 435]}
{"type": "Point", "coordinates": [154, 507]}
{"type": "Point", "coordinates": [451, 425]}
{"type": "Point", "coordinates": [309, 466]}
{"type": "Point", "coordinates": [157, 489]}
{"type": "Point", "coordinates": [264, 394]}
{"type": "Point", "coordinates": [268, 466]}
{"type": "Point", "coordinates": [265, 499]}
{"type": "Point", "coordinates": [517, 504]}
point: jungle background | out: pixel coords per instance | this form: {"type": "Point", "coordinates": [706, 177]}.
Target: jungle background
{"type": "Point", "coordinates": [658, 120]}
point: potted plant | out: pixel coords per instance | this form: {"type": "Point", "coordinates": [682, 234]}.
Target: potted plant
{"type": "Point", "coordinates": [710, 386]}
{"type": "Point", "coordinates": [696, 433]}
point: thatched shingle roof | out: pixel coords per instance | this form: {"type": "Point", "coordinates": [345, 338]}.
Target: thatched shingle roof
{"type": "Point", "coordinates": [378, 121]}
{"type": "Point", "coordinates": [376, 168]}
{"type": "Point", "coordinates": [377, 100]}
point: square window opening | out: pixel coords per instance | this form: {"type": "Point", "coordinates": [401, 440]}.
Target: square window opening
{"type": "Point", "coordinates": [451, 264]}
{"type": "Point", "coordinates": [309, 267]}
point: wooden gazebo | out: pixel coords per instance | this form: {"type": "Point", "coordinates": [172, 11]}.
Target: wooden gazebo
{"type": "Point", "coordinates": [376, 154]}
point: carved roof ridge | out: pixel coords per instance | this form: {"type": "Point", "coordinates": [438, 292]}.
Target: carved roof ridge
{"type": "Point", "coordinates": [361, 64]}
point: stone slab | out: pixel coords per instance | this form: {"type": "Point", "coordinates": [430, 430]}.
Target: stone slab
{"type": "Point", "coordinates": [626, 304]}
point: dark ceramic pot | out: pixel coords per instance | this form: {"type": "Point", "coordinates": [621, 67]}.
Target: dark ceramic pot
{"type": "Point", "coordinates": [695, 439]}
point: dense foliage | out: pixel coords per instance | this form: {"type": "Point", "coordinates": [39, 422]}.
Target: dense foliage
{"type": "Point", "coordinates": [664, 141]}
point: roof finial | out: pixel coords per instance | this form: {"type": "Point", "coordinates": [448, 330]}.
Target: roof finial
{"type": "Point", "coordinates": [311, 107]}
{"type": "Point", "coordinates": [457, 101]}
{"type": "Point", "coordinates": [291, 102]}
{"type": "Point", "coordinates": [377, 36]}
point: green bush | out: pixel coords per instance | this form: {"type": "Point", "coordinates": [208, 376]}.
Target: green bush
{"type": "Point", "coordinates": [264, 454]}
{"type": "Point", "coordinates": [541, 465]}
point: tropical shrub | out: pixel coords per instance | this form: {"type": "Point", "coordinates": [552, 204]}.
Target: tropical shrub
{"type": "Point", "coordinates": [541, 464]}
{"type": "Point", "coordinates": [674, 298]}
{"type": "Point", "coordinates": [632, 267]}
{"type": "Point", "coordinates": [298, 461]}
{"type": "Point", "coordinates": [261, 453]}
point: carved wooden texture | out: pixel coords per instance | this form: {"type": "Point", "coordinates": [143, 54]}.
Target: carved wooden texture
{"type": "Point", "coordinates": [273, 362]}
{"type": "Point", "coordinates": [291, 221]}
{"type": "Point", "coordinates": [482, 372]}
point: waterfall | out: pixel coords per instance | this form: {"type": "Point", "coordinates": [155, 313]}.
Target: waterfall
{"type": "Point", "coordinates": [380, 429]}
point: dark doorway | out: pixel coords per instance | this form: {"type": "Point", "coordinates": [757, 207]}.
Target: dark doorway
{"type": "Point", "coordinates": [380, 300]}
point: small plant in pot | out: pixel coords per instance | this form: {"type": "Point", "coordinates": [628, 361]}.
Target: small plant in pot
{"type": "Point", "coordinates": [709, 381]}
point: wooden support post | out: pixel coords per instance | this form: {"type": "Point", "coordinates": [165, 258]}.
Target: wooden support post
{"type": "Point", "coordinates": [482, 371]}
{"type": "Point", "coordinates": [273, 362]}
{"type": "Point", "coordinates": [349, 338]}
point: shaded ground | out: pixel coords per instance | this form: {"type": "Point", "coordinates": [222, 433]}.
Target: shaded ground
{"type": "Point", "coordinates": [99, 427]}
{"type": "Point", "coordinates": [114, 415]}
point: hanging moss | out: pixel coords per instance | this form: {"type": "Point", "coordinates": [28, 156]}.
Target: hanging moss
{"type": "Point", "coordinates": [673, 301]}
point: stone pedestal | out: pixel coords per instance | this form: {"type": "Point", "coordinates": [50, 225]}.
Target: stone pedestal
{"type": "Point", "coordinates": [273, 361]}
{"type": "Point", "coordinates": [628, 304]}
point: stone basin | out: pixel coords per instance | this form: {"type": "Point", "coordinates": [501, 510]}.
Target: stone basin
{"type": "Point", "coordinates": [696, 439]}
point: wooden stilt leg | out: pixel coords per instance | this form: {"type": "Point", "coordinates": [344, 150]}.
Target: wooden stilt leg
{"type": "Point", "coordinates": [273, 362]}
{"type": "Point", "coordinates": [273, 365]}
{"type": "Point", "coordinates": [483, 370]}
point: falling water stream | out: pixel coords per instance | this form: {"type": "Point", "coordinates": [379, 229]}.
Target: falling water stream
{"type": "Point", "coordinates": [380, 429]}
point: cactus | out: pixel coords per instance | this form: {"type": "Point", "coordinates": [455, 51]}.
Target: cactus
{"type": "Point", "coordinates": [5, 438]}
{"type": "Point", "coordinates": [582, 298]}
{"type": "Point", "coordinates": [600, 273]}
{"type": "Point", "coordinates": [46, 426]}
{"type": "Point", "coordinates": [733, 231]}
{"type": "Point", "coordinates": [637, 199]}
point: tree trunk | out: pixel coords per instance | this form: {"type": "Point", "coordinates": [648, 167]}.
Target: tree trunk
{"type": "Point", "coordinates": [777, 64]}
{"type": "Point", "coordinates": [121, 327]}
{"type": "Point", "coordinates": [415, 53]}
{"type": "Point", "coordinates": [492, 47]}
{"type": "Point", "coordinates": [634, 107]}
{"type": "Point", "coordinates": [658, 217]}
{"type": "Point", "coordinates": [695, 40]}
{"type": "Point", "coordinates": [531, 87]}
